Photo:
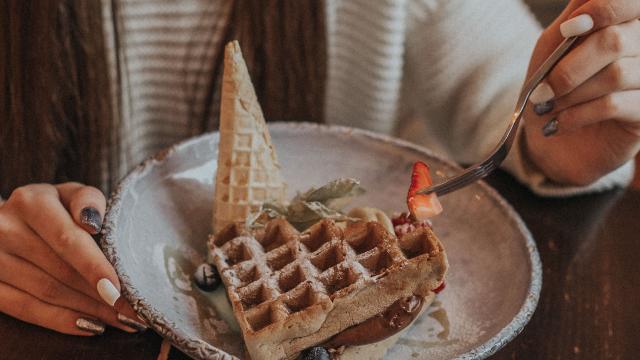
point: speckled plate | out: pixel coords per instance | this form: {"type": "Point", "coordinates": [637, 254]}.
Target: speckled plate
{"type": "Point", "coordinates": [159, 218]}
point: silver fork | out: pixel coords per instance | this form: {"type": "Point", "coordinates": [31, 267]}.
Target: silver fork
{"type": "Point", "coordinates": [484, 168]}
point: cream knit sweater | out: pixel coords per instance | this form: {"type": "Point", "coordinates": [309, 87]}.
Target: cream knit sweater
{"type": "Point", "coordinates": [442, 73]}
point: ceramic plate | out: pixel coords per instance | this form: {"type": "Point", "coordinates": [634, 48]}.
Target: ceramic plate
{"type": "Point", "coordinates": [159, 218]}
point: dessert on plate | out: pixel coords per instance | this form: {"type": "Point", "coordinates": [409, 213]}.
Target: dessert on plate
{"type": "Point", "coordinates": [304, 277]}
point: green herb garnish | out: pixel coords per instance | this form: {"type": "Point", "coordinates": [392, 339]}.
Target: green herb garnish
{"type": "Point", "coordinates": [311, 206]}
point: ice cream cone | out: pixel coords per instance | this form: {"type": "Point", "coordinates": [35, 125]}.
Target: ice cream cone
{"type": "Point", "coordinates": [248, 170]}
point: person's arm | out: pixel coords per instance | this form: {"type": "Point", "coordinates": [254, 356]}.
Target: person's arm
{"type": "Point", "coordinates": [466, 62]}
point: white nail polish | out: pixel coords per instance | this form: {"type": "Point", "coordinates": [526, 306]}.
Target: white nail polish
{"type": "Point", "coordinates": [542, 93]}
{"type": "Point", "coordinates": [108, 291]}
{"type": "Point", "coordinates": [576, 26]}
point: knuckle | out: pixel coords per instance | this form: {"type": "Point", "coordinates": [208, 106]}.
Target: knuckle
{"type": "Point", "coordinates": [613, 40]}
{"type": "Point", "coordinates": [562, 80]}
{"type": "Point", "coordinates": [617, 75]}
{"type": "Point", "coordinates": [22, 195]}
{"type": "Point", "coordinates": [67, 238]}
{"type": "Point", "coordinates": [607, 12]}
{"type": "Point", "coordinates": [610, 105]}
{"type": "Point", "coordinates": [25, 195]}
{"type": "Point", "coordinates": [50, 290]}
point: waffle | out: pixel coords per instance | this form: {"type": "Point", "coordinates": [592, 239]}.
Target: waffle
{"type": "Point", "coordinates": [248, 170]}
{"type": "Point", "coordinates": [290, 291]}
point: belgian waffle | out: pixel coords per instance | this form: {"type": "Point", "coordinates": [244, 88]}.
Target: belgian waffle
{"type": "Point", "coordinates": [291, 290]}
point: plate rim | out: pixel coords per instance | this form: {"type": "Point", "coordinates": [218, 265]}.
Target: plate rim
{"type": "Point", "coordinates": [200, 349]}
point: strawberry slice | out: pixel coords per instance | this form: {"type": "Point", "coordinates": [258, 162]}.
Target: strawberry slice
{"type": "Point", "coordinates": [440, 287]}
{"type": "Point", "coordinates": [422, 207]}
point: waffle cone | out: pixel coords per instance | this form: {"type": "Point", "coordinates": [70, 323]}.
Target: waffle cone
{"type": "Point", "coordinates": [248, 170]}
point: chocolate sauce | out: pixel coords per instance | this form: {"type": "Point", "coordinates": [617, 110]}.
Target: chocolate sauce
{"type": "Point", "coordinates": [397, 317]}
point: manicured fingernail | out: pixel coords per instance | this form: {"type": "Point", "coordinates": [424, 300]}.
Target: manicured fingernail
{"type": "Point", "coordinates": [90, 325]}
{"type": "Point", "coordinates": [132, 323]}
{"type": "Point", "coordinates": [108, 292]}
{"type": "Point", "coordinates": [576, 26]}
{"type": "Point", "coordinates": [91, 217]}
{"type": "Point", "coordinates": [550, 127]}
{"type": "Point", "coordinates": [543, 108]}
{"type": "Point", "coordinates": [542, 93]}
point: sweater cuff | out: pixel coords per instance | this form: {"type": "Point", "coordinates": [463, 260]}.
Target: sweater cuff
{"type": "Point", "coordinates": [520, 166]}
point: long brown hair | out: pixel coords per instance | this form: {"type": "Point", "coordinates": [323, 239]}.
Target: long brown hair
{"type": "Point", "coordinates": [54, 113]}
{"type": "Point", "coordinates": [56, 123]}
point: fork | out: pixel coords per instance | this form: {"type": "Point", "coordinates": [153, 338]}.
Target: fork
{"type": "Point", "coordinates": [484, 168]}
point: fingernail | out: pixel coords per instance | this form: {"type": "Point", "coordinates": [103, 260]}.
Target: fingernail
{"type": "Point", "coordinates": [550, 128]}
{"type": "Point", "coordinates": [542, 93]}
{"type": "Point", "coordinates": [90, 325]}
{"type": "Point", "coordinates": [91, 217]}
{"type": "Point", "coordinates": [543, 108]}
{"type": "Point", "coordinates": [132, 323]}
{"type": "Point", "coordinates": [576, 26]}
{"type": "Point", "coordinates": [108, 292]}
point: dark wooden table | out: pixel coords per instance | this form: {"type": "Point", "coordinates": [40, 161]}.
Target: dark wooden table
{"type": "Point", "coordinates": [588, 309]}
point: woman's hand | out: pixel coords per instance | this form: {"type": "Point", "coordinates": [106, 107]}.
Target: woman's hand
{"type": "Point", "coordinates": [53, 273]}
{"type": "Point", "coordinates": [584, 121]}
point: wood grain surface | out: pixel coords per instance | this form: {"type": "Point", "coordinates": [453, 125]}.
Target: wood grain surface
{"type": "Point", "coordinates": [590, 250]}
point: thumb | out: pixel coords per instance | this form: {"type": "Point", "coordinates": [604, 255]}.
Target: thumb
{"type": "Point", "coordinates": [86, 205]}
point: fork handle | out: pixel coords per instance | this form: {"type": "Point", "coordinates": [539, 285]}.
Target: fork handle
{"type": "Point", "coordinates": [543, 71]}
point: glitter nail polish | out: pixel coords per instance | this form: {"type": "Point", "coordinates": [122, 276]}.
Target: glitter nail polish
{"type": "Point", "coordinates": [90, 325]}
{"type": "Point", "coordinates": [550, 128]}
{"type": "Point", "coordinates": [91, 217]}
{"type": "Point", "coordinates": [543, 108]}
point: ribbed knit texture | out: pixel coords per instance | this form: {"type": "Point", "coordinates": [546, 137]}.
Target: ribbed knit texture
{"type": "Point", "coordinates": [162, 71]}
{"type": "Point", "coordinates": [442, 73]}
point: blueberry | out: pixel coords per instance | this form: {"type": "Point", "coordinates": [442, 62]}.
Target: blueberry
{"type": "Point", "coordinates": [316, 353]}
{"type": "Point", "coordinates": [206, 277]}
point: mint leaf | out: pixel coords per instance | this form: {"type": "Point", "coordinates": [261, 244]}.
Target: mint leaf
{"type": "Point", "coordinates": [313, 205]}
{"type": "Point", "coordinates": [335, 189]}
